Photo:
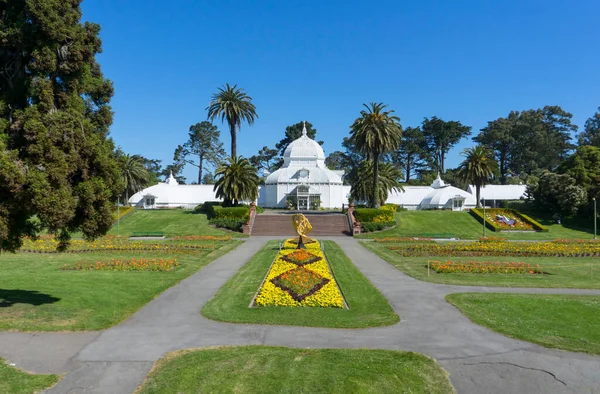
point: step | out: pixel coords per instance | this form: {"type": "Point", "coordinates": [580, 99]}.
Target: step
{"type": "Point", "coordinates": [334, 224]}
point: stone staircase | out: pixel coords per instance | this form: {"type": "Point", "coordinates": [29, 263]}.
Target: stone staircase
{"type": "Point", "coordinates": [281, 224]}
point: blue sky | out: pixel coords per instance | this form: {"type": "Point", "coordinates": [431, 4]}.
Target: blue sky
{"type": "Point", "coordinates": [471, 61]}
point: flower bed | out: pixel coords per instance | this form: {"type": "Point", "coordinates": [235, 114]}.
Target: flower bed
{"type": "Point", "coordinates": [401, 240]}
{"type": "Point", "coordinates": [216, 238]}
{"type": "Point", "coordinates": [484, 267]}
{"type": "Point", "coordinates": [499, 219]}
{"type": "Point", "coordinates": [157, 265]}
{"type": "Point", "coordinates": [522, 249]}
{"type": "Point", "coordinates": [309, 243]}
{"type": "Point", "coordinates": [49, 245]}
{"type": "Point", "coordinates": [301, 278]}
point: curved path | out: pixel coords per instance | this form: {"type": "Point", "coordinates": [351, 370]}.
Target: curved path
{"type": "Point", "coordinates": [478, 360]}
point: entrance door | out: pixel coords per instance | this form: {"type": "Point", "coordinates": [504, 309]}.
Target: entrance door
{"type": "Point", "coordinates": [302, 203]}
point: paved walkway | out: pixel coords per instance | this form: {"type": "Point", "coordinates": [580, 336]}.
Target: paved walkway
{"type": "Point", "coordinates": [478, 360]}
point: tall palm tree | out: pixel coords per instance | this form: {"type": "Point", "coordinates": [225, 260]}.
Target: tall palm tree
{"type": "Point", "coordinates": [234, 105]}
{"type": "Point", "coordinates": [236, 180]}
{"type": "Point", "coordinates": [133, 173]}
{"type": "Point", "coordinates": [478, 168]}
{"type": "Point", "coordinates": [375, 133]}
{"type": "Point", "coordinates": [362, 183]}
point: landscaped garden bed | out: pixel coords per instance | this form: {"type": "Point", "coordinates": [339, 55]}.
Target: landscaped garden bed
{"type": "Point", "coordinates": [476, 249]}
{"type": "Point", "coordinates": [500, 219]}
{"type": "Point", "coordinates": [571, 265]}
{"type": "Point", "coordinates": [367, 307]}
{"type": "Point", "coordinates": [265, 369]}
{"type": "Point", "coordinates": [133, 264]}
{"type": "Point", "coordinates": [568, 322]}
{"type": "Point", "coordinates": [484, 267]}
{"type": "Point", "coordinates": [300, 277]}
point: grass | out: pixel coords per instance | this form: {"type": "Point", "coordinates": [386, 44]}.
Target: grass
{"type": "Point", "coordinates": [15, 381]}
{"type": "Point", "coordinates": [262, 369]}
{"type": "Point", "coordinates": [367, 306]}
{"type": "Point", "coordinates": [171, 222]}
{"type": "Point", "coordinates": [568, 322]}
{"type": "Point", "coordinates": [449, 224]}
{"type": "Point", "coordinates": [35, 295]}
{"type": "Point", "coordinates": [563, 272]}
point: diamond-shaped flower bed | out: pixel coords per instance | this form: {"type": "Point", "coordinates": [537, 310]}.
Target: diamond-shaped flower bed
{"type": "Point", "coordinates": [300, 282]}
{"type": "Point", "coordinates": [301, 257]}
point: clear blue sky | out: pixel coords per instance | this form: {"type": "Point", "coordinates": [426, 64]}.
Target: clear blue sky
{"type": "Point", "coordinates": [471, 61]}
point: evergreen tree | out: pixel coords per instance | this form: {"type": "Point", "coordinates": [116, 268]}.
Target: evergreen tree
{"type": "Point", "coordinates": [236, 180]}
{"type": "Point", "coordinates": [57, 163]}
{"type": "Point", "coordinates": [441, 136]}
{"type": "Point", "coordinates": [591, 134]}
{"type": "Point", "coordinates": [204, 144]}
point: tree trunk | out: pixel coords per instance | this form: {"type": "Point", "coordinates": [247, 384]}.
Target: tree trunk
{"type": "Point", "coordinates": [375, 200]}
{"type": "Point", "coordinates": [200, 169]}
{"type": "Point", "coordinates": [478, 194]}
{"type": "Point", "coordinates": [503, 168]}
{"type": "Point", "coordinates": [233, 140]}
{"type": "Point", "coordinates": [407, 169]}
{"type": "Point", "coordinates": [441, 161]}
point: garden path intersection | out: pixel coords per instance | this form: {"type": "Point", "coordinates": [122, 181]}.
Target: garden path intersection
{"type": "Point", "coordinates": [479, 360]}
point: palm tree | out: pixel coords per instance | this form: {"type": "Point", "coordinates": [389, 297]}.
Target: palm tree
{"type": "Point", "coordinates": [236, 180]}
{"type": "Point", "coordinates": [234, 105]}
{"type": "Point", "coordinates": [133, 173]}
{"type": "Point", "coordinates": [478, 168]}
{"type": "Point", "coordinates": [376, 133]}
{"type": "Point", "coordinates": [362, 184]}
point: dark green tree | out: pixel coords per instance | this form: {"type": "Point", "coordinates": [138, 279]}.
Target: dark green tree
{"type": "Point", "coordinates": [57, 163]}
{"type": "Point", "coordinates": [232, 104]}
{"type": "Point", "coordinates": [203, 145]}
{"type": "Point", "coordinates": [441, 136]}
{"type": "Point", "coordinates": [557, 194]}
{"type": "Point", "coordinates": [208, 178]}
{"type": "Point", "coordinates": [176, 169]}
{"type": "Point", "coordinates": [591, 134]}
{"type": "Point", "coordinates": [584, 167]}
{"type": "Point", "coordinates": [265, 160]}
{"type": "Point", "coordinates": [236, 180]}
{"type": "Point", "coordinates": [154, 169]}
{"type": "Point", "coordinates": [375, 133]}
{"type": "Point", "coordinates": [478, 168]}
{"type": "Point", "coordinates": [362, 186]}
{"type": "Point", "coordinates": [499, 136]}
{"type": "Point", "coordinates": [412, 154]}
{"type": "Point", "coordinates": [294, 132]}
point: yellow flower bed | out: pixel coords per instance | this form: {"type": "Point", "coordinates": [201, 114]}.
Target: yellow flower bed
{"type": "Point", "coordinates": [311, 244]}
{"type": "Point", "coordinates": [327, 295]}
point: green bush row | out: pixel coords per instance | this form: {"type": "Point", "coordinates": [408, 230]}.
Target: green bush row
{"type": "Point", "coordinates": [230, 213]}
{"type": "Point", "coordinates": [477, 213]}
{"type": "Point", "coordinates": [230, 224]}
{"type": "Point", "coordinates": [367, 227]}
{"type": "Point", "coordinates": [373, 215]}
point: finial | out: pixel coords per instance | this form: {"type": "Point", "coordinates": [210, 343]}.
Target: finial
{"type": "Point", "coordinates": [304, 128]}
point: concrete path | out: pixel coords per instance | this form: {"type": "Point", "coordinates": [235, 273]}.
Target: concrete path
{"type": "Point", "coordinates": [478, 360]}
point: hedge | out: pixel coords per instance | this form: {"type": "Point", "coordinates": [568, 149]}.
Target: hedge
{"type": "Point", "coordinates": [367, 227]}
{"type": "Point", "coordinates": [373, 215]}
{"type": "Point", "coordinates": [477, 213]}
{"type": "Point", "coordinates": [231, 213]}
{"type": "Point", "coordinates": [231, 224]}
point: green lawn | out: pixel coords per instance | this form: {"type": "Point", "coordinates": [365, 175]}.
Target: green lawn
{"type": "Point", "coordinates": [568, 322]}
{"type": "Point", "coordinates": [35, 295]}
{"type": "Point", "coordinates": [574, 272]}
{"type": "Point", "coordinates": [367, 306]}
{"type": "Point", "coordinates": [449, 224]}
{"type": "Point", "coordinates": [171, 222]}
{"type": "Point", "coordinates": [15, 381]}
{"type": "Point", "coordinates": [262, 369]}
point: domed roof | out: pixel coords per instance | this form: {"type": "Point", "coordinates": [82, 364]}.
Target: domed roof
{"type": "Point", "coordinates": [439, 198]}
{"type": "Point", "coordinates": [304, 148]}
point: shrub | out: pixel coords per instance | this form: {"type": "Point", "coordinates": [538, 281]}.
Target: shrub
{"type": "Point", "coordinates": [231, 213]}
{"type": "Point", "coordinates": [390, 207]}
{"type": "Point", "coordinates": [373, 215]}
{"type": "Point", "coordinates": [368, 227]}
{"type": "Point", "coordinates": [230, 224]}
{"type": "Point", "coordinates": [208, 207]}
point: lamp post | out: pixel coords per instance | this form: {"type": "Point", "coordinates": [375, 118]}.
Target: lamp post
{"type": "Point", "coordinates": [118, 214]}
{"type": "Point", "coordinates": [595, 217]}
{"type": "Point", "coordinates": [483, 218]}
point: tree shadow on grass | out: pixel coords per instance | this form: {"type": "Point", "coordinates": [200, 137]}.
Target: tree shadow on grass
{"type": "Point", "coordinates": [10, 297]}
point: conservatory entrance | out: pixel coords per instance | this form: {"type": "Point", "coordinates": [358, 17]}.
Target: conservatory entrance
{"type": "Point", "coordinates": [305, 198]}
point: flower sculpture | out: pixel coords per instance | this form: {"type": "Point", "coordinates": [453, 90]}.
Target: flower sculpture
{"type": "Point", "coordinates": [302, 226]}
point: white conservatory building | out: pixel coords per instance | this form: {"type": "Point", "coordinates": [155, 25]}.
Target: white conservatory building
{"type": "Point", "coordinates": [304, 180]}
